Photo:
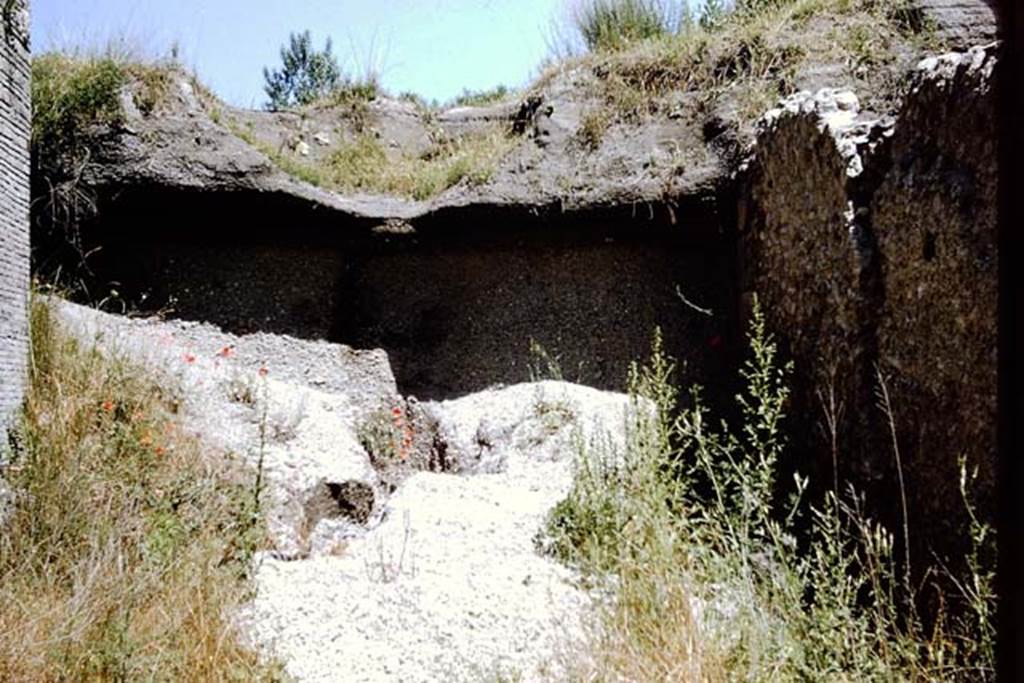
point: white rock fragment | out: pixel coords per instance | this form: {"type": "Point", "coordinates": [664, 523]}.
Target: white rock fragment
{"type": "Point", "coordinates": [443, 581]}
{"type": "Point", "coordinates": [837, 112]}
{"type": "Point", "coordinates": [449, 585]}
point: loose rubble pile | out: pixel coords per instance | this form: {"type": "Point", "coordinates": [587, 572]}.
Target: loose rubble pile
{"type": "Point", "coordinates": [381, 568]}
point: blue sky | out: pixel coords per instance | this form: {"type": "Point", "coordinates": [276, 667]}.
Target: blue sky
{"type": "Point", "coordinates": [433, 47]}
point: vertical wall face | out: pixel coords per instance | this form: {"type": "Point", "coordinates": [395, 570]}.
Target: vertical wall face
{"type": "Point", "coordinates": [455, 307]}
{"type": "Point", "coordinates": [809, 257]}
{"type": "Point", "coordinates": [961, 23]}
{"type": "Point", "coordinates": [15, 113]}
{"type": "Point", "coordinates": [876, 247]}
{"type": "Point", "coordinates": [935, 221]}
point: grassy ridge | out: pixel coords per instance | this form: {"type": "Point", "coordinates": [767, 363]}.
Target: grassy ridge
{"type": "Point", "coordinates": [76, 96]}
{"type": "Point", "coordinates": [362, 165]}
{"type": "Point", "coordinates": [643, 52]}
{"type": "Point", "coordinates": [637, 56]}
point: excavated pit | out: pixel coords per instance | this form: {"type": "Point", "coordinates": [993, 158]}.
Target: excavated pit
{"type": "Point", "coordinates": [456, 301]}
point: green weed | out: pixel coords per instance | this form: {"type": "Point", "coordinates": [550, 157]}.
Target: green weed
{"type": "Point", "coordinates": [708, 575]}
{"type": "Point", "coordinates": [362, 165]}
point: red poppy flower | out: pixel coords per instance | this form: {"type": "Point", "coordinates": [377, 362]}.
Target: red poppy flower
{"type": "Point", "coordinates": [189, 358]}
{"type": "Point", "coordinates": [225, 352]}
{"type": "Point", "coordinates": [264, 372]}
{"type": "Point", "coordinates": [108, 406]}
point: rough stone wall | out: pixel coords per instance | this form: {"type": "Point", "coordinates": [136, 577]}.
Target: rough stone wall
{"type": "Point", "coordinates": [809, 256]}
{"type": "Point", "coordinates": [15, 115]}
{"type": "Point", "coordinates": [872, 245]}
{"type": "Point", "coordinates": [808, 252]}
{"type": "Point", "coordinates": [934, 216]}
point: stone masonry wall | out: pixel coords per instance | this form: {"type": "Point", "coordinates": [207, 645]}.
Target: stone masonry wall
{"type": "Point", "coordinates": [809, 256]}
{"type": "Point", "coordinates": [961, 23]}
{"type": "Point", "coordinates": [15, 115]}
{"type": "Point", "coordinates": [872, 244]}
{"type": "Point", "coordinates": [934, 215]}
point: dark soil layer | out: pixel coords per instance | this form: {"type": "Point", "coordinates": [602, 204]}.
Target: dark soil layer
{"type": "Point", "coordinates": [455, 304]}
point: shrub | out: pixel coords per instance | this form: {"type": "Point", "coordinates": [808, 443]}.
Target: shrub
{"type": "Point", "coordinates": [76, 97]}
{"type": "Point", "coordinates": [70, 95]}
{"type": "Point", "coordinates": [419, 101]}
{"type": "Point", "coordinates": [613, 24]}
{"type": "Point", "coordinates": [306, 74]}
{"type": "Point", "coordinates": [711, 14]}
{"type": "Point", "coordinates": [386, 435]}
{"type": "Point", "coordinates": [359, 164]}
{"type": "Point", "coordinates": [364, 165]}
{"type": "Point", "coordinates": [593, 127]}
{"type": "Point", "coordinates": [354, 92]}
{"type": "Point", "coordinates": [747, 52]}
{"type": "Point", "coordinates": [470, 98]}
{"type": "Point", "coordinates": [705, 573]}
{"type": "Point", "coordinates": [126, 546]}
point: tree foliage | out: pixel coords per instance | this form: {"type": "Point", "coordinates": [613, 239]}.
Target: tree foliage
{"type": "Point", "coordinates": [712, 14]}
{"type": "Point", "coordinates": [306, 74]}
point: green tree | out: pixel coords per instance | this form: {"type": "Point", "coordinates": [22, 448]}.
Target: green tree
{"type": "Point", "coordinates": [306, 74]}
{"type": "Point", "coordinates": [712, 14]}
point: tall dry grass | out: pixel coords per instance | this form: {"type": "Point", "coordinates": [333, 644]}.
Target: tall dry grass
{"type": "Point", "coordinates": [127, 547]}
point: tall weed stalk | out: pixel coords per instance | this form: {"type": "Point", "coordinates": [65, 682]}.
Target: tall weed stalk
{"type": "Point", "coordinates": [703, 571]}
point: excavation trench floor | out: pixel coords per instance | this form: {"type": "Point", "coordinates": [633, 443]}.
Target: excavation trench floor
{"type": "Point", "coordinates": [447, 587]}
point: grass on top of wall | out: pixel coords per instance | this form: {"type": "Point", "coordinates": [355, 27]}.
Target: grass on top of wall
{"type": "Point", "coordinates": [361, 164]}
{"type": "Point", "coordinates": [74, 93]}
{"type": "Point", "coordinates": [127, 546]}
{"type": "Point", "coordinates": [641, 52]}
